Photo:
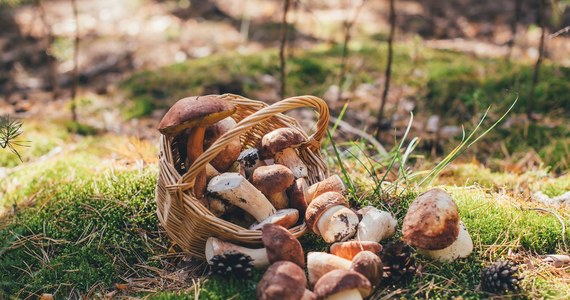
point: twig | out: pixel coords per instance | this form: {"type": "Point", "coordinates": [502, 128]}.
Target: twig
{"type": "Point", "coordinates": [514, 24]}
{"type": "Point", "coordinates": [52, 67]}
{"type": "Point", "coordinates": [75, 62]}
{"type": "Point", "coordinates": [351, 129]}
{"type": "Point", "coordinates": [348, 24]}
{"type": "Point", "coordinates": [282, 59]}
{"type": "Point", "coordinates": [388, 72]}
{"type": "Point", "coordinates": [541, 22]}
{"type": "Point", "coordinates": [560, 32]}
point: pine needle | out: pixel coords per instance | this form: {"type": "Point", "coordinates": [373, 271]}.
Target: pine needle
{"type": "Point", "coordinates": [10, 131]}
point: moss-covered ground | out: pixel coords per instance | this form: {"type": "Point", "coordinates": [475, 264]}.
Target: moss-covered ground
{"type": "Point", "coordinates": [85, 225]}
{"type": "Point", "coordinates": [79, 218]}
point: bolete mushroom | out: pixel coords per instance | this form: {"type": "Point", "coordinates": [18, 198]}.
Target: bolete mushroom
{"type": "Point", "coordinates": [432, 221]}
{"type": "Point", "coordinates": [284, 217]}
{"type": "Point", "coordinates": [215, 246]}
{"type": "Point", "coordinates": [297, 194]}
{"type": "Point", "coordinates": [239, 192]}
{"type": "Point", "coordinates": [195, 113]}
{"type": "Point", "coordinates": [369, 265]}
{"type": "Point", "coordinates": [320, 263]}
{"type": "Point", "coordinates": [282, 280]}
{"type": "Point", "coordinates": [342, 285]}
{"type": "Point", "coordinates": [280, 245]}
{"type": "Point", "coordinates": [329, 216]}
{"type": "Point", "coordinates": [461, 247]}
{"type": "Point", "coordinates": [249, 160]}
{"type": "Point", "coordinates": [330, 184]}
{"type": "Point", "coordinates": [231, 151]}
{"type": "Point", "coordinates": [280, 144]}
{"type": "Point", "coordinates": [272, 181]}
{"type": "Point", "coordinates": [350, 249]}
{"type": "Point", "coordinates": [375, 225]}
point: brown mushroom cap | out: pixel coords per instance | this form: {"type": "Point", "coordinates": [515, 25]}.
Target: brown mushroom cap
{"type": "Point", "coordinates": [432, 221]}
{"type": "Point", "coordinates": [282, 280]}
{"type": "Point", "coordinates": [319, 205]}
{"type": "Point", "coordinates": [272, 179]}
{"type": "Point", "coordinates": [280, 139]}
{"type": "Point", "coordinates": [331, 184]}
{"type": "Point", "coordinates": [194, 111]}
{"type": "Point", "coordinates": [280, 245]}
{"type": "Point", "coordinates": [369, 265]}
{"type": "Point", "coordinates": [350, 249]}
{"type": "Point", "coordinates": [284, 217]}
{"type": "Point", "coordinates": [338, 281]}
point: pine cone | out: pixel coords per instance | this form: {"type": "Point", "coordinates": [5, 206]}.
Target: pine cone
{"type": "Point", "coordinates": [500, 277]}
{"type": "Point", "coordinates": [399, 262]}
{"type": "Point", "coordinates": [231, 263]}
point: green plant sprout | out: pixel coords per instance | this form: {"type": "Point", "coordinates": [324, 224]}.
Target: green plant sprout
{"type": "Point", "coordinates": [10, 131]}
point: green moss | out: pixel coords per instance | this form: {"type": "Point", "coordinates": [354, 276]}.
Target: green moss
{"type": "Point", "coordinates": [557, 186]}
{"type": "Point", "coordinates": [90, 231]}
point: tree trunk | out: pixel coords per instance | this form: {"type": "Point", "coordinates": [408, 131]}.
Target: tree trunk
{"type": "Point", "coordinates": [388, 72]}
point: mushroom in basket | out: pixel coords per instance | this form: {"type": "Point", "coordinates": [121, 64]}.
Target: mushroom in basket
{"type": "Point", "coordinates": [195, 114]}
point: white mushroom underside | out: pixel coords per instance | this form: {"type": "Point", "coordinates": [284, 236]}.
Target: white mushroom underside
{"type": "Point", "coordinates": [239, 192]}
{"type": "Point", "coordinates": [352, 294]}
{"type": "Point", "coordinates": [462, 247]}
{"type": "Point", "coordinates": [291, 160]}
{"type": "Point", "coordinates": [337, 224]}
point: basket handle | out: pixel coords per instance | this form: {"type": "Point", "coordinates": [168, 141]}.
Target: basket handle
{"type": "Point", "coordinates": [314, 141]}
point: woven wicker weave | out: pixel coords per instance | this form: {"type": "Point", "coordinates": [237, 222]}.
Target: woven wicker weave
{"type": "Point", "coordinates": [187, 221]}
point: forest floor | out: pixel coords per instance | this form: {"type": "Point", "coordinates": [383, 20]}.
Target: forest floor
{"type": "Point", "coordinates": [78, 216]}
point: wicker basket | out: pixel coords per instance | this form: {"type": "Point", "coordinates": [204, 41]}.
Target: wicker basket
{"type": "Point", "coordinates": [187, 221]}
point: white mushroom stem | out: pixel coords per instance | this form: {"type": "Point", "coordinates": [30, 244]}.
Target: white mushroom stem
{"type": "Point", "coordinates": [239, 192]}
{"type": "Point", "coordinates": [337, 224]}
{"type": "Point", "coordinates": [353, 294]}
{"type": "Point", "coordinates": [289, 158]}
{"type": "Point", "coordinates": [320, 263]}
{"type": "Point", "coordinates": [462, 247]}
{"type": "Point", "coordinates": [249, 161]}
{"type": "Point", "coordinates": [376, 225]}
{"type": "Point", "coordinates": [216, 246]}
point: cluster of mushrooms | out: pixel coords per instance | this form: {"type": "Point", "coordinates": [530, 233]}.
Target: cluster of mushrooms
{"type": "Point", "coordinates": [269, 184]}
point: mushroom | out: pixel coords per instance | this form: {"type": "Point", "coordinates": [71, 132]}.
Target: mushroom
{"type": "Point", "coordinates": [320, 263]}
{"type": "Point", "coordinates": [284, 217]}
{"type": "Point", "coordinates": [280, 144]}
{"type": "Point", "coordinates": [249, 160]}
{"type": "Point", "coordinates": [272, 181]}
{"type": "Point", "coordinates": [239, 192]}
{"type": "Point", "coordinates": [369, 265]}
{"type": "Point", "coordinates": [375, 225]}
{"type": "Point", "coordinates": [350, 249]}
{"type": "Point", "coordinates": [329, 216]}
{"type": "Point", "coordinates": [461, 247]}
{"type": "Point", "coordinates": [215, 246]}
{"type": "Point", "coordinates": [282, 280]}
{"type": "Point", "coordinates": [330, 184]}
{"type": "Point", "coordinates": [231, 151]}
{"type": "Point", "coordinates": [432, 221]}
{"type": "Point", "coordinates": [281, 245]}
{"type": "Point", "coordinates": [195, 113]}
{"type": "Point", "coordinates": [343, 285]}
{"type": "Point", "coordinates": [297, 194]}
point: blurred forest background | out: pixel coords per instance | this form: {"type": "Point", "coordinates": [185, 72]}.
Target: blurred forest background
{"type": "Point", "coordinates": [116, 67]}
{"type": "Point", "coordinates": [85, 84]}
